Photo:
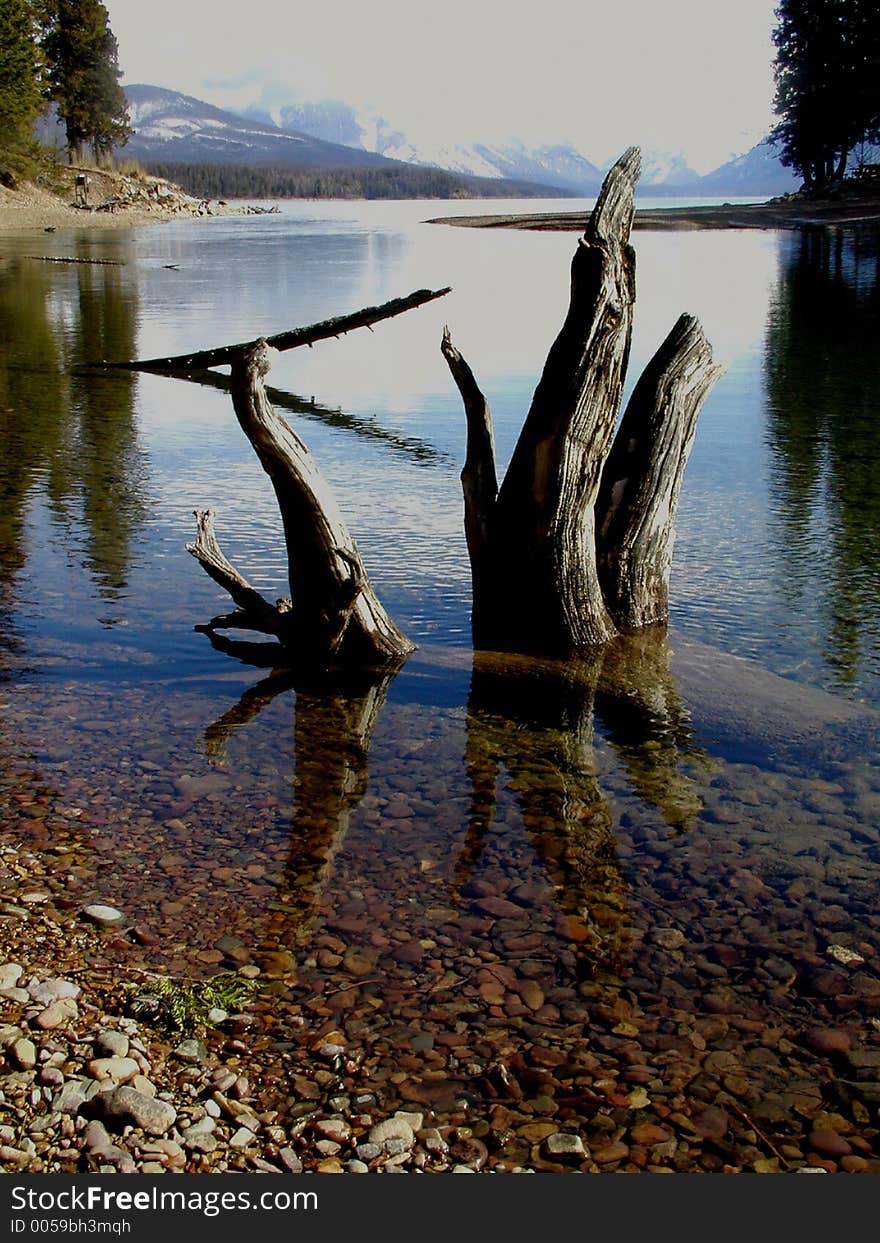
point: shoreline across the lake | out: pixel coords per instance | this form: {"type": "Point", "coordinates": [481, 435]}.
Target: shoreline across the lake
{"type": "Point", "coordinates": [788, 213]}
{"type": "Point", "coordinates": [114, 201]}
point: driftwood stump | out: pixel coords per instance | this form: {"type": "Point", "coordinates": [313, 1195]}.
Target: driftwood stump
{"type": "Point", "coordinates": [576, 544]}
{"type": "Point", "coordinates": [333, 615]}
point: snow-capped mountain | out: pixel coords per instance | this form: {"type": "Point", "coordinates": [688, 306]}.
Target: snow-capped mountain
{"type": "Point", "coordinates": [171, 126]}
{"type": "Point", "coordinates": [334, 120]}
{"type": "Point", "coordinates": [756, 172]}
{"type": "Point", "coordinates": [666, 168]}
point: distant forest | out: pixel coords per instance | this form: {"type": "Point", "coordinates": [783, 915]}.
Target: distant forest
{"type": "Point", "coordinates": [403, 181]}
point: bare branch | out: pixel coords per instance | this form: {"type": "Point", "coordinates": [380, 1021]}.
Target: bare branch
{"type": "Point", "coordinates": [291, 340]}
{"type": "Point", "coordinates": [258, 612]}
{"type": "Point", "coordinates": [478, 479]}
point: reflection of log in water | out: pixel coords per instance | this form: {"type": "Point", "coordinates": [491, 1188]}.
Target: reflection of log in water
{"type": "Point", "coordinates": [414, 448]}
{"type": "Point", "coordinates": [536, 720]}
{"type": "Point", "coordinates": [333, 725]}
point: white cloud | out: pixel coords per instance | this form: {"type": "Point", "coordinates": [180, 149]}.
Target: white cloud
{"type": "Point", "coordinates": [691, 74]}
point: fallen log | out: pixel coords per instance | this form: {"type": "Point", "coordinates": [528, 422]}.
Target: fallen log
{"type": "Point", "coordinates": [108, 263]}
{"type": "Point", "coordinates": [290, 340]}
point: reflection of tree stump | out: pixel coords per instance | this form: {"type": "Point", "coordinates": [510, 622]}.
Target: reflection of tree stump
{"type": "Point", "coordinates": [647, 723]}
{"type": "Point", "coordinates": [577, 541]}
{"type": "Point", "coordinates": [538, 724]}
{"type": "Point", "coordinates": [333, 725]}
{"type": "Point", "coordinates": [536, 720]}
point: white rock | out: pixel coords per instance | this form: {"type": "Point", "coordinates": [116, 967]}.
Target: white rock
{"type": "Point", "coordinates": [392, 1128]}
{"type": "Point", "coordinates": [843, 954]}
{"type": "Point", "coordinates": [25, 1053]}
{"type": "Point", "coordinates": [564, 1147]}
{"type": "Point", "coordinates": [10, 974]}
{"type": "Point", "coordinates": [105, 916]}
{"type": "Point", "coordinates": [16, 994]}
{"type": "Point", "coordinates": [416, 1120]}
{"type": "Point", "coordinates": [121, 1069]}
{"type": "Point", "coordinates": [47, 991]}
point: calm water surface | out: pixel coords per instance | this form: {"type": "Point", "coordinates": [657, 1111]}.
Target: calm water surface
{"type": "Point", "coordinates": [669, 820]}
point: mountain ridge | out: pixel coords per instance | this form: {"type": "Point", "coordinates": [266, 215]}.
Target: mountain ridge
{"type": "Point", "coordinates": [173, 127]}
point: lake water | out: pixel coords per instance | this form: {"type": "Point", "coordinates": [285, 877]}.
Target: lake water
{"type": "Point", "coordinates": [649, 862]}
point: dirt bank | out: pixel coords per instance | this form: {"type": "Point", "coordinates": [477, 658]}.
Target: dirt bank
{"type": "Point", "coordinates": [115, 200]}
{"type": "Point", "coordinates": [789, 213]}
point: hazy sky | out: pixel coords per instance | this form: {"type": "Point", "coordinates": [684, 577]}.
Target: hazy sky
{"type": "Point", "coordinates": [694, 75]}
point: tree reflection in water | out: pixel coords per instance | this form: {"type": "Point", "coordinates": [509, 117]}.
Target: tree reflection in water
{"type": "Point", "coordinates": [823, 431]}
{"type": "Point", "coordinates": [67, 434]}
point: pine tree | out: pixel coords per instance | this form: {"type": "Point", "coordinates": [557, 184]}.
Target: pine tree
{"type": "Point", "coordinates": [20, 99]}
{"type": "Point", "coordinates": [83, 76]}
{"type": "Point", "coordinates": [827, 84]}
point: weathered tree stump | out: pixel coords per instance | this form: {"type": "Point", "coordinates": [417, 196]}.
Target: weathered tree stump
{"type": "Point", "coordinates": [333, 615]}
{"type": "Point", "coordinates": [576, 544]}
